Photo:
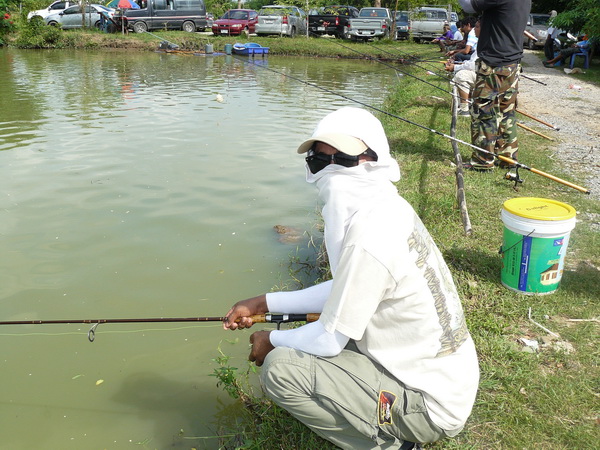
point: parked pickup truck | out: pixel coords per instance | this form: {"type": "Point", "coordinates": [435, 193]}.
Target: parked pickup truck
{"type": "Point", "coordinates": [427, 22]}
{"type": "Point", "coordinates": [371, 23]}
{"type": "Point", "coordinates": [331, 20]}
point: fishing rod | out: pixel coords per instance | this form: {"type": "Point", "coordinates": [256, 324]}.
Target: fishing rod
{"type": "Point", "coordinates": [516, 164]}
{"type": "Point", "coordinates": [171, 46]}
{"type": "Point", "coordinates": [257, 318]}
{"type": "Point", "coordinates": [532, 79]}
{"type": "Point", "coordinates": [549, 125]}
{"type": "Point", "coordinates": [531, 130]}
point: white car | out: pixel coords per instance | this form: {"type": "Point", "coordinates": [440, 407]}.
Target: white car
{"type": "Point", "coordinates": [280, 19]}
{"type": "Point", "coordinates": [71, 17]}
{"type": "Point", "coordinates": [54, 8]}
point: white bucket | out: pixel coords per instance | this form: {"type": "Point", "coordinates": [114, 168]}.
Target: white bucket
{"type": "Point", "coordinates": [536, 236]}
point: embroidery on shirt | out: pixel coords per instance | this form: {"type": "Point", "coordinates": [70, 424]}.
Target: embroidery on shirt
{"type": "Point", "coordinates": [384, 407]}
{"type": "Point", "coordinates": [451, 338]}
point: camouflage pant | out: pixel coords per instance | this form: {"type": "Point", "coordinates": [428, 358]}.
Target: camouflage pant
{"type": "Point", "coordinates": [494, 126]}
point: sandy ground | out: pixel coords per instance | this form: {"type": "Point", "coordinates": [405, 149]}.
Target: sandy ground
{"type": "Point", "coordinates": [571, 105]}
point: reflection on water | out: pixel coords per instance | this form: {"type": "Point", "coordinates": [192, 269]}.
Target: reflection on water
{"type": "Point", "coordinates": [128, 189]}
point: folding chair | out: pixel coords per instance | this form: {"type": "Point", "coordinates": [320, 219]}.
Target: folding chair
{"type": "Point", "coordinates": [585, 52]}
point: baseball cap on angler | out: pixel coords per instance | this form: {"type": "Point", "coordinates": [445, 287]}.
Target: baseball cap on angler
{"type": "Point", "coordinates": [342, 142]}
{"type": "Point", "coordinates": [352, 131]}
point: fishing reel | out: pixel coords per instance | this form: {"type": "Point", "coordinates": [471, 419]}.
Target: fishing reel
{"type": "Point", "coordinates": [514, 176]}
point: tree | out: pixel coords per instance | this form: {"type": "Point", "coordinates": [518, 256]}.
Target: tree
{"type": "Point", "coordinates": [581, 16]}
{"type": "Point", "coordinates": [574, 16]}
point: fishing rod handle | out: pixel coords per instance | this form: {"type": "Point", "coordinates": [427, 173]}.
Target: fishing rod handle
{"type": "Point", "coordinates": [561, 181]}
{"type": "Point", "coordinates": [544, 174]}
{"type": "Point", "coordinates": [284, 318]}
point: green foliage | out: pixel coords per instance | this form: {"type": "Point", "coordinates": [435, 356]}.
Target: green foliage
{"type": "Point", "coordinates": [36, 34]}
{"type": "Point", "coordinates": [580, 16]}
{"type": "Point", "coordinates": [6, 19]}
{"type": "Point", "coordinates": [227, 376]}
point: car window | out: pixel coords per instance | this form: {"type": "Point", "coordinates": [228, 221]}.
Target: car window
{"type": "Point", "coordinates": [186, 4]}
{"type": "Point", "coordinates": [239, 15]}
{"type": "Point", "coordinates": [540, 20]}
{"type": "Point", "coordinates": [60, 5]}
{"type": "Point", "coordinates": [272, 12]}
{"type": "Point", "coordinates": [73, 10]}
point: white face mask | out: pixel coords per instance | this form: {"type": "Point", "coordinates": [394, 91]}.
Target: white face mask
{"type": "Point", "coordinates": [345, 190]}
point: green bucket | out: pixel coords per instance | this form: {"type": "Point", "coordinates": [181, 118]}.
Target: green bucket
{"type": "Point", "coordinates": [536, 236]}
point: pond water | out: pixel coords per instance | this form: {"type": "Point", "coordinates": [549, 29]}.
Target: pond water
{"type": "Point", "coordinates": [145, 185]}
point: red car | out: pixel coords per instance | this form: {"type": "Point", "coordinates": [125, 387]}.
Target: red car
{"type": "Point", "coordinates": [236, 21]}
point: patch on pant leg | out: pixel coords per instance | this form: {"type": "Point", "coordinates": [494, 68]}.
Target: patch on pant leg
{"type": "Point", "coordinates": [384, 407]}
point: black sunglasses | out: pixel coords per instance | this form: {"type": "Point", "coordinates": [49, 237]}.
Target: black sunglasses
{"type": "Point", "coordinates": [318, 161]}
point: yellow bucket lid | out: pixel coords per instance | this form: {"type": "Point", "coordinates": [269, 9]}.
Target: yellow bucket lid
{"type": "Point", "coordinates": [539, 208]}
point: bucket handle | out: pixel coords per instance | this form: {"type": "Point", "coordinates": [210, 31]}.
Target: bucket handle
{"type": "Point", "coordinates": [501, 251]}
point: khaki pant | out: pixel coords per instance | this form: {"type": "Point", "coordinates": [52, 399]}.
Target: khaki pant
{"type": "Point", "coordinates": [347, 399]}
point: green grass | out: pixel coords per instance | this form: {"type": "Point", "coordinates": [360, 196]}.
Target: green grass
{"type": "Point", "coordinates": [526, 400]}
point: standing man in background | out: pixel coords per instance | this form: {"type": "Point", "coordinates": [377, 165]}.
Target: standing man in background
{"type": "Point", "coordinates": [500, 49]}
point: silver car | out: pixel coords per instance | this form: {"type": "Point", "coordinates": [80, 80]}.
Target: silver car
{"type": "Point", "coordinates": [71, 17]}
{"type": "Point", "coordinates": [537, 24]}
{"type": "Point", "coordinates": [282, 20]}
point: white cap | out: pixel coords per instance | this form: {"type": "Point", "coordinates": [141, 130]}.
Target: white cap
{"type": "Point", "coordinates": [352, 130]}
{"type": "Point", "coordinates": [337, 127]}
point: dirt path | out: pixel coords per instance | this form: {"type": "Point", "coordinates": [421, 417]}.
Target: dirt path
{"type": "Point", "coordinates": [571, 105]}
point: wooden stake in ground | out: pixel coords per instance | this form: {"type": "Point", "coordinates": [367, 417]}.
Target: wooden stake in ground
{"type": "Point", "coordinates": [460, 181]}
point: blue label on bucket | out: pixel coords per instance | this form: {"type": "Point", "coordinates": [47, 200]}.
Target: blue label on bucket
{"type": "Point", "coordinates": [532, 264]}
{"type": "Point", "coordinates": [525, 254]}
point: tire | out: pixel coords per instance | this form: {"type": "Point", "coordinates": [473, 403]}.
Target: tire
{"type": "Point", "coordinates": [530, 44]}
{"type": "Point", "coordinates": [140, 27]}
{"type": "Point", "coordinates": [53, 24]}
{"type": "Point", "coordinates": [97, 24]}
{"type": "Point", "coordinates": [188, 26]}
{"type": "Point", "coordinates": [293, 32]}
{"type": "Point", "coordinates": [344, 34]}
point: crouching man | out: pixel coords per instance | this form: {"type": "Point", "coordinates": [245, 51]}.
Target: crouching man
{"type": "Point", "coordinates": [390, 361]}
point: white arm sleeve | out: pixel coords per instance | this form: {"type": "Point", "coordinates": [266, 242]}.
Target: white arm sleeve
{"type": "Point", "coordinates": [309, 300]}
{"type": "Point", "coordinates": [467, 6]}
{"type": "Point", "coordinates": [310, 338]}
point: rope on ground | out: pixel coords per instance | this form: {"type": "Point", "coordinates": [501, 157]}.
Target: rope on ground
{"type": "Point", "coordinates": [460, 181]}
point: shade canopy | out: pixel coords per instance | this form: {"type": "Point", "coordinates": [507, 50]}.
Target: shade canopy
{"type": "Point", "coordinates": [123, 4]}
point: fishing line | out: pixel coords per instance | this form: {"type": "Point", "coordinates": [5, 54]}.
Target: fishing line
{"type": "Point", "coordinates": [379, 60]}
{"type": "Point", "coordinates": [412, 63]}
{"type": "Point", "coordinates": [506, 159]}
{"type": "Point", "coordinates": [104, 331]}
